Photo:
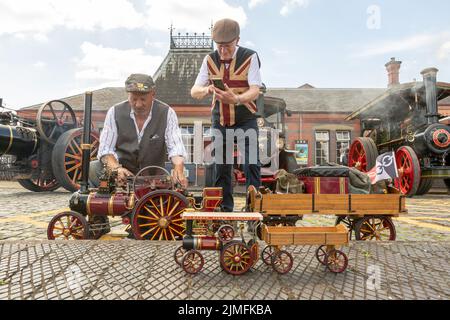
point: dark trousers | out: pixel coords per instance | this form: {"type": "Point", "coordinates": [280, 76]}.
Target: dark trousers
{"type": "Point", "coordinates": [224, 169]}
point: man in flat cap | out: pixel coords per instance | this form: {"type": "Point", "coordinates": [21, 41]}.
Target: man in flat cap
{"type": "Point", "coordinates": [138, 132]}
{"type": "Point", "coordinates": [234, 107]}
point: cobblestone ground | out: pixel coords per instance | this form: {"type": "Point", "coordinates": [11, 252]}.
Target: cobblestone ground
{"type": "Point", "coordinates": [414, 267]}
{"type": "Point", "coordinates": [147, 270]}
{"type": "Point", "coordinates": [25, 215]}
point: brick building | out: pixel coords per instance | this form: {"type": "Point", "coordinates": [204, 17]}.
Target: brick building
{"type": "Point", "coordinates": [317, 114]}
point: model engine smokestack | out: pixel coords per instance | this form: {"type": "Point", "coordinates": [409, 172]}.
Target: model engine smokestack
{"type": "Point", "coordinates": [429, 79]}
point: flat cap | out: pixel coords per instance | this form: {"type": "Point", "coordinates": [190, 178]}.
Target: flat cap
{"type": "Point", "coordinates": [225, 30]}
{"type": "Point", "coordinates": [138, 82]}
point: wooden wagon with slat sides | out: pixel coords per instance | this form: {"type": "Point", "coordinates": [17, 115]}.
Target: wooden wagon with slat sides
{"type": "Point", "coordinates": [368, 216]}
{"type": "Point", "coordinates": [327, 254]}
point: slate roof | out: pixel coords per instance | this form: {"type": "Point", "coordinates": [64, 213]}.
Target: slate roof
{"type": "Point", "coordinates": [102, 99]}
{"type": "Point", "coordinates": [176, 76]}
{"type": "Point", "coordinates": [325, 100]}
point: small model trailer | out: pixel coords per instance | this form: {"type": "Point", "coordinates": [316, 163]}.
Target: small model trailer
{"type": "Point", "coordinates": [327, 237]}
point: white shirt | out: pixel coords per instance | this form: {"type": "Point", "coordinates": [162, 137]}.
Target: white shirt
{"type": "Point", "coordinates": [173, 140]}
{"type": "Point", "coordinates": [254, 75]}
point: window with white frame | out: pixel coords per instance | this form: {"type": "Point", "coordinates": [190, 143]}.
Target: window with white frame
{"type": "Point", "coordinates": [187, 135]}
{"type": "Point", "coordinates": [342, 143]}
{"type": "Point", "coordinates": [322, 147]}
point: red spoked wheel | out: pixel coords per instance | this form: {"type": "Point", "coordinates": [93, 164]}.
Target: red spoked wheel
{"type": "Point", "coordinates": [157, 216]}
{"type": "Point", "coordinates": [39, 184]}
{"type": "Point", "coordinates": [68, 225]}
{"type": "Point", "coordinates": [67, 157]}
{"type": "Point", "coordinates": [267, 253]}
{"type": "Point", "coordinates": [225, 233]}
{"type": "Point", "coordinates": [282, 261]}
{"type": "Point", "coordinates": [336, 261]}
{"type": "Point", "coordinates": [408, 170]}
{"type": "Point", "coordinates": [192, 262]}
{"type": "Point", "coordinates": [375, 228]}
{"type": "Point", "coordinates": [178, 255]}
{"type": "Point", "coordinates": [321, 254]}
{"type": "Point", "coordinates": [363, 154]}
{"type": "Point", "coordinates": [236, 258]}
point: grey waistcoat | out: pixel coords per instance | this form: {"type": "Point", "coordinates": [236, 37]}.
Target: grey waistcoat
{"type": "Point", "coordinates": [152, 149]}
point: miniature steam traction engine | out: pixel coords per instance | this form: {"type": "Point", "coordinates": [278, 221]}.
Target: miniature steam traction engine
{"type": "Point", "coordinates": [151, 204]}
{"type": "Point", "coordinates": [406, 119]}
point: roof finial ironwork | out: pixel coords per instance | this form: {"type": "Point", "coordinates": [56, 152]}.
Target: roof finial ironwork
{"type": "Point", "coordinates": [190, 41]}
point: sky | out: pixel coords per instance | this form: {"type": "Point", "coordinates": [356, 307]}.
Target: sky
{"type": "Point", "coordinates": [51, 49]}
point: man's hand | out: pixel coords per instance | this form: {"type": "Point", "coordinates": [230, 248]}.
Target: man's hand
{"type": "Point", "coordinates": [178, 171]}
{"type": "Point", "coordinates": [122, 175]}
{"type": "Point", "coordinates": [179, 177]}
{"type": "Point", "coordinates": [227, 96]}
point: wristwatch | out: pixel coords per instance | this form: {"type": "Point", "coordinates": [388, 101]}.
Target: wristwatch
{"type": "Point", "coordinates": [238, 102]}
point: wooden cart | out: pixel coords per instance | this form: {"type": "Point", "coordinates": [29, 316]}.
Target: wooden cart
{"type": "Point", "coordinates": [369, 216]}
{"type": "Point", "coordinates": [327, 237]}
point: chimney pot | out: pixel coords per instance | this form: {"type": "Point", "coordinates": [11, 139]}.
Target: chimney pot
{"type": "Point", "coordinates": [393, 69]}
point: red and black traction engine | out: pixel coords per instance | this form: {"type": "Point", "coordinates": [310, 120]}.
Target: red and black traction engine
{"type": "Point", "coordinates": [151, 204]}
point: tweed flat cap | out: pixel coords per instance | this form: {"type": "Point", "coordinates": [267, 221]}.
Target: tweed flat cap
{"type": "Point", "coordinates": [139, 83]}
{"type": "Point", "coordinates": [225, 30]}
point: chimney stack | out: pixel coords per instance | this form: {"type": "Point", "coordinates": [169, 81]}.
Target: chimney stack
{"type": "Point", "coordinates": [393, 69]}
{"type": "Point", "coordinates": [429, 79]}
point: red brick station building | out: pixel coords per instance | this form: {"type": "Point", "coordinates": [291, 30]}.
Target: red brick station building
{"type": "Point", "coordinates": [317, 114]}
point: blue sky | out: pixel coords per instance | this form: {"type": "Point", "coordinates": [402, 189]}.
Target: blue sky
{"type": "Point", "coordinates": [54, 48]}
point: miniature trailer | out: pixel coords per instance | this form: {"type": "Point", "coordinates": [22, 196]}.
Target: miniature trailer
{"type": "Point", "coordinates": [236, 256]}
{"type": "Point", "coordinates": [327, 254]}
{"type": "Point", "coordinates": [368, 216]}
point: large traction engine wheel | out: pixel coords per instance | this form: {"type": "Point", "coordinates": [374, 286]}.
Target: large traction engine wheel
{"type": "Point", "coordinates": [157, 216]}
{"type": "Point", "coordinates": [67, 157]}
{"type": "Point", "coordinates": [408, 170]}
{"type": "Point", "coordinates": [40, 184]}
{"type": "Point", "coordinates": [68, 225]}
{"type": "Point", "coordinates": [375, 228]}
{"type": "Point", "coordinates": [236, 258]}
{"type": "Point", "coordinates": [363, 154]}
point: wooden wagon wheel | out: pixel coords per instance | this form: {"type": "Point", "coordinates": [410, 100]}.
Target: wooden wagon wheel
{"type": "Point", "coordinates": [192, 262]}
{"type": "Point", "coordinates": [225, 233]}
{"type": "Point", "coordinates": [267, 253]}
{"type": "Point", "coordinates": [336, 261]}
{"type": "Point", "coordinates": [40, 184]}
{"type": "Point", "coordinates": [408, 170]}
{"type": "Point", "coordinates": [157, 216]}
{"type": "Point", "coordinates": [282, 261]}
{"type": "Point", "coordinates": [321, 254]}
{"type": "Point", "coordinates": [235, 258]}
{"type": "Point", "coordinates": [178, 255]}
{"type": "Point", "coordinates": [68, 225]}
{"type": "Point", "coordinates": [363, 154]}
{"type": "Point", "coordinates": [67, 157]}
{"type": "Point", "coordinates": [53, 119]}
{"type": "Point", "coordinates": [375, 228]}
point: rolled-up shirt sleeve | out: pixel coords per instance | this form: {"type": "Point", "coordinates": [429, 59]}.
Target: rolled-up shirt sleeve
{"type": "Point", "coordinates": [174, 142]}
{"type": "Point", "coordinates": [108, 137]}
{"type": "Point", "coordinates": [202, 79]}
